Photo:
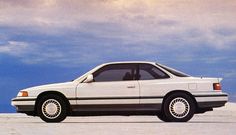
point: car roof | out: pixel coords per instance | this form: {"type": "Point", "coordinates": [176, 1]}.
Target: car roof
{"type": "Point", "coordinates": [129, 62]}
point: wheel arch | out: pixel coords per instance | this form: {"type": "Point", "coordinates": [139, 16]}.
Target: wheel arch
{"type": "Point", "coordinates": [54, 93]}
{"type": "Point", "coordinates": [179, 91]}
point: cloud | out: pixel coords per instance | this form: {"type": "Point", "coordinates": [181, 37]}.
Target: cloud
{"type": "Point", "coordinates": [131, 21]}
{"type": "Point", "coordinates": [14, 48]}
{"type": "Point", "coordinates": [76, 31]}
{"type": "Point", "coordinates": [230, 74]}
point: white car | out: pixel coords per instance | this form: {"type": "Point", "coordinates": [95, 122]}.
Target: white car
{"type": "Point", "coordinates": [124, 88]}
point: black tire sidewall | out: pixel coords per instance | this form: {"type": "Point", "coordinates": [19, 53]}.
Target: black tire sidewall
{"type": "Point", "coordinates": [167, 102]}
{"type": "Point", "coordinates": [60, 117]}
{"type": "Point", "coordinates": [162, 117]}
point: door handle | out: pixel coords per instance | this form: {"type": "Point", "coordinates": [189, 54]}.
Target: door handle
{"type": "Point", "coordinates": [130, 87]}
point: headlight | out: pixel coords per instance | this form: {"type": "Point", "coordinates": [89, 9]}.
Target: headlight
{"type": "Point", "coordinates": [22, 94]}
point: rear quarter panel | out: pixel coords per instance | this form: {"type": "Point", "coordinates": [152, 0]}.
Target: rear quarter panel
{"type": "Point", "coordinates": [160, 87]}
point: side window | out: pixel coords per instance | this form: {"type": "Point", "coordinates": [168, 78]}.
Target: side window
{"type": "Point", "coordinates": [115, 72]}
{"type": "Point", "coordinates": [150, 72]}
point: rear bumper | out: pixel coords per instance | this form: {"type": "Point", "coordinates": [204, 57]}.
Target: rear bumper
{"type": "Point", "coordinates": [211, 104]}
{"type": "Point", "coordinates": [211, 100]}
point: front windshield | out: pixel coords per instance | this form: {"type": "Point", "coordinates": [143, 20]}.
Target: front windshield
{"type": "Point", "coordinates": [173, 71]}
{"type": "Point", "coordinates": [81, 78]}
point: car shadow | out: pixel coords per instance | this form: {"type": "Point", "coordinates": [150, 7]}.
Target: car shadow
{"type": "Point", "coordinates": [124, 122]}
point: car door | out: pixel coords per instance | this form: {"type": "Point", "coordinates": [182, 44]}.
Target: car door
{"type": "Point", "coordinates": [153, 84]}
{"type": "Point", "coordinates": [113, 84]}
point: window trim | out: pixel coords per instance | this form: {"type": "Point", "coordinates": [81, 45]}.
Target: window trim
{"type": "Point", "coordinates": [138, 72]}
{"type": "Point", "coordinates": [173, 71]}
{"type": "Point", "coordinates": [133, 76]}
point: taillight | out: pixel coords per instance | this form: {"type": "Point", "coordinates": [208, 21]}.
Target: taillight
{"type": "Point", "coordinates": [216, 86]}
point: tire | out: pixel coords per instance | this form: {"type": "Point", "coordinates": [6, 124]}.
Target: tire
{"type": "Point", "coordinates": [162, 117]}
{"type": "Point", "coordinates": [179, 107]}
{"type": "Point", "coordinates": [52, 108]}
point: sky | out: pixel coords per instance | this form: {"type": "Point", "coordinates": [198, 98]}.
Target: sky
{"type": "Point", "coordinates": [49, 41]}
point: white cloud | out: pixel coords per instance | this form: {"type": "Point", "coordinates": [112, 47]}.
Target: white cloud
{"type": "Point", "coordinates": [215, 59]}
{"type": "Point", "coordinates": [230, 74]}
{"type": "Point", "coordinates": [133, 21]}
{"type": "Point", "coordinates": [153, 23]}
{"type": "Point", "coordinates": [15, 48]}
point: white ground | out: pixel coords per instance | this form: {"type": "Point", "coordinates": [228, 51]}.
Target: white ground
{"type": "Point", "coordinates": [221, 121]}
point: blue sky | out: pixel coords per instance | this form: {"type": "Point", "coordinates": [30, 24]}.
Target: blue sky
{"type": "Point", "coordinates": [47, 41]}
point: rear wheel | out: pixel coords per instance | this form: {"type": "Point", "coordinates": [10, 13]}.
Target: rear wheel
{"type": "Point", "coordinates": [179, 107]}
{"type": "Point", "coordinates": [52, 108]}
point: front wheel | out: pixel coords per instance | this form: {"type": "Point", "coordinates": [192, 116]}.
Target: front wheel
{"type": "Point", "coordinates": [162, 117]}
{"type": "Point", "coordinates": [52, 108]}
{"type": "Point", "coordinates": [179, 107]}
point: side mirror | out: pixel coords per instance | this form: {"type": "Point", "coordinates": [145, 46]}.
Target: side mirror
{"type": "Point", "coordinates": [89, 79]}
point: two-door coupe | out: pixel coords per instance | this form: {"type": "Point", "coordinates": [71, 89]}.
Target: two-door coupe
{"type": "Point", "coordinates": [124, 88]}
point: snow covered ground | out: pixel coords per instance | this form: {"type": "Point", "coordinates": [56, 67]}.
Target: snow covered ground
{"type": "Point", "coordinates": [218, 122]}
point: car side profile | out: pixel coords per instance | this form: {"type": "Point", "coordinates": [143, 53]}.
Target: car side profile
{"type": "Point", "coordinates": [124, 88]}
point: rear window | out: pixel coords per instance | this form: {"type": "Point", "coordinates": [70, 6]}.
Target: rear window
{"type": "Point", "coordinates": [173, 71]}
{"type": "Point", "coordinates": [149, 72]}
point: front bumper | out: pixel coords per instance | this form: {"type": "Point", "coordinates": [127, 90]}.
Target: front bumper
{"type": "Point", "coordinates": [24, 104]}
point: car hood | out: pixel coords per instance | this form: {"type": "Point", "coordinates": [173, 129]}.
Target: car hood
{"type": "Point", "coordinates": [54, 86]}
